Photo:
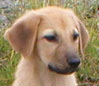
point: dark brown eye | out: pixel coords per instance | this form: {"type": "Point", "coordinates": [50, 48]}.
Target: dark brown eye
{"type": "Point", "coordinates": [50, 37]}
{"type": "Point", "coordinates": [75, 35]}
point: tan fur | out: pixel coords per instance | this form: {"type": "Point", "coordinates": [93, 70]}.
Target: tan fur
{"type": "Point", "coordinates": [26, 36]}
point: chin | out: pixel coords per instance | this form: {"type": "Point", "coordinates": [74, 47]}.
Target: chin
{"type": "Point", "coordinates": [64, 71]}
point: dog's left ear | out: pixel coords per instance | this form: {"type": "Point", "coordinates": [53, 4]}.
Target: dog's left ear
{"type": "Point", "coordinates": [22, 34]}
{"type": "Point", "coordinates": [84, 36]}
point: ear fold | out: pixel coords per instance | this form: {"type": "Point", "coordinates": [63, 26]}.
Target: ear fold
{"type": "Point", "coordinates": [22, 35]}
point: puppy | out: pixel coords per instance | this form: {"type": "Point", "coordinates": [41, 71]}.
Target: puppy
{"type": "Point", "coordinates": [49, 40]}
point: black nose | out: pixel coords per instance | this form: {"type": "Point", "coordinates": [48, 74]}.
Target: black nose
{"type": "Point", "coordinates": [73, 62]}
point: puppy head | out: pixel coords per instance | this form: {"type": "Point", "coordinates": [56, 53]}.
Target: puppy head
{"type": "Point", "coordinates": [61, 36]}
{"type": "Point", "coordinates": [56, 34]}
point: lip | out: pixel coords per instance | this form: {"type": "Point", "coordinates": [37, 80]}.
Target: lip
{"type": "Point", "coordinates": [68, 70]}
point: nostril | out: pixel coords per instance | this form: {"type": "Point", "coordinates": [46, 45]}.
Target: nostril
{"type": "Point", "coordinates": [74, 62]}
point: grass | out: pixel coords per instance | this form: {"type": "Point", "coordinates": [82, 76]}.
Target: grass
{"type": "Point", "coordinates": [88, 12]}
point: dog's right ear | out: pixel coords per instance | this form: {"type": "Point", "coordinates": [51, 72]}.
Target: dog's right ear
{"type": "Point", "coordinates": [22, 35]}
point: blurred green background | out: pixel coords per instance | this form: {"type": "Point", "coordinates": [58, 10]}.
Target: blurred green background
{"type": "Point", "coordinates": [88, 12]}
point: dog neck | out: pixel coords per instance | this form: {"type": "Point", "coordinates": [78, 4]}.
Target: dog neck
{"type": "Point", "coordinates": [33, 72]}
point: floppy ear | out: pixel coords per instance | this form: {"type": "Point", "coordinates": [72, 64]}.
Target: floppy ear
{"type": "Point", "coordinates": [84, 36]}
{"type": "Point", "coordinates": [22, 35]}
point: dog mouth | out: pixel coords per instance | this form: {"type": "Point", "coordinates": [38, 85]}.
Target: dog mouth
{"type": "Point", "coordinates": [68, 70]}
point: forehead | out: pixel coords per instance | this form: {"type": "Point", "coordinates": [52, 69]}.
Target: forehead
{"type": "Point", "coordinates": [56, 19]}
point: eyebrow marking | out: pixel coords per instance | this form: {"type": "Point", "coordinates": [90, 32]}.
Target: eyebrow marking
{"type": "Point", "coordinates": [76, 31]}
{"type": "Point", "coordinates": [48, 31]}
{"type": "Point", "coordinates": [75, 34]}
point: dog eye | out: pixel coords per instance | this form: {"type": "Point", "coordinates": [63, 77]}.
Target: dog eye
{"type": "Point", "coordinates": [75, 35]}
{"type": "Point", "coordinates": [50, 37]}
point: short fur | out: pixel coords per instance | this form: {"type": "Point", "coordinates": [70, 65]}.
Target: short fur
{"type": "Point", "coordinates": [26, 36]}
